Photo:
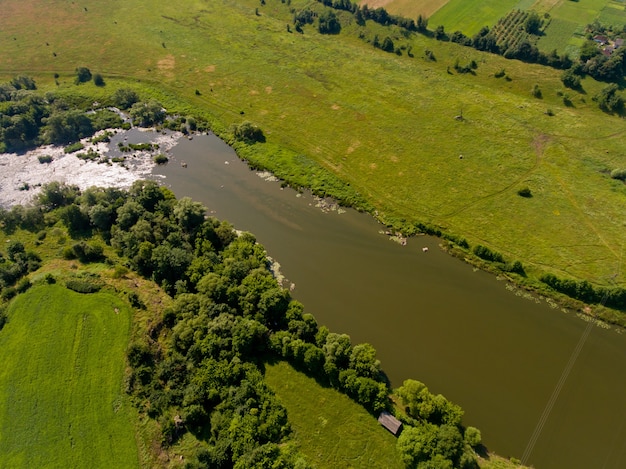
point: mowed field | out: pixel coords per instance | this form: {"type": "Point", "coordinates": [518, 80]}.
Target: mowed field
{"type": "Point", "coordinates": [383, 123]}
{"type": "Point", "coordinates": [330, 429]}
{"type": "Point", "coordinates": [62, 402]}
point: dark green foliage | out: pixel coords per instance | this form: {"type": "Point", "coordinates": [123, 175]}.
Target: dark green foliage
{"type": "Point", "coordinates": [584, 291]}
{"type": "Point", "coordinates": [44, 159]}
{"type": "Point", "coordinates": [98, 80]}
{"type": "Point", "coordinates": [570, 79]}
{"type": "Point", "coordinates": [160, 159]}
{"type": "Point", "coordinates": [609, 100]}
{"type": "Point", "coordinates": [63, 127]}
{"type": "Point", "coordinates": [619, 174]}
{"type": "Point", "coordinates": [487, 254]}
{"type": "Point", "coordinates": [329, 23]}
{"type": "Point", "coordinates": [147, 114]}
{"type": "Point", "coordinates": [248, 132]}
{"type": "Point", "coordinates": [83, 75]}
{"type": "Point", "coordinates": [532, 24]}
{"type": "Point", "coordinates": [387, 44]}
{"type": "Point", "coordinates": [525, 192]}
{"type": "Point", "coordinates": [3, 316]}
{"type": "Point", "coordinates": [124, 98]}
{"type": "Point", "coordinates": [74, 147]}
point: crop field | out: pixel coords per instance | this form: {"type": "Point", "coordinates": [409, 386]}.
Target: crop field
{"type": "Point", "coordinates": [331, 430]}
{"type": "Point", "coordinates": [568, 20]}
{"type": "Point", "coordinates": [61, 398]}
{"type": "Point", "coordinates": [383, 123]}
{"type": "Point", "coordinates": [469, 16]}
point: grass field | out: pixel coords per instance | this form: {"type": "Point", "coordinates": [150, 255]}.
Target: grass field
{"type": "Point", "coordinates": [469, 16]}
{"type": "Point", "coordinates": [61, 398]}
{"type": "Point", "coordinates": [383, 123]}
{"type": "Point", "coordinates": [330, 429]}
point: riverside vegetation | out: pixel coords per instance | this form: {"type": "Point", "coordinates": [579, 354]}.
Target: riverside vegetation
{"type": "Point", "coordinates": [401, 135]}
{"type": "Point", "coordinates": [201, 336]}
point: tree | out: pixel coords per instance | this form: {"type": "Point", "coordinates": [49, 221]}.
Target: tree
{"type": "Point", "coordinates": [83, 75]}
{"type": "Point", "coordinates": [248, 132]}
{"type": "Point", "coordinates": [533, 23]}
{"type": "Point", "coordinates": [387, 44]}
{"type": "Point", "coordinates": [422, 24]}
{"type": "Point", "coordinates": [363, 361]}
{"type": "Point", "coordinates": [609, 100]}
{"type": "Point", "coordinates": [329, 23]}
{"type": "Point", "coordinates": [124, 98]}
{"type": "Point", "coordinates": [570, 79]}
{"type": "Point", "coordinates": [98, 80]}
{"type": "Point", "coordinates": [147, 114]}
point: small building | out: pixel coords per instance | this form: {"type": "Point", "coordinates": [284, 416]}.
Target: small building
{"type": "Point", "coordinates": [600, 39]}
{"type": "Point", "coordinates": [619, 42]}
{"type": "Point", "coordinates": [390, 422]}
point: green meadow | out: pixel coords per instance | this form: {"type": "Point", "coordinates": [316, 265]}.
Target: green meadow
{"type": "Point", "coordinates": [329, 428]}
{"type": "Point", "coordinates": [62, 402]}
{"type": "Point", "coordinates": [378, 125]}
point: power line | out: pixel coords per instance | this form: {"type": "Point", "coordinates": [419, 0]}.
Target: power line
{"type": "Point", "coordinates": [564, 375]}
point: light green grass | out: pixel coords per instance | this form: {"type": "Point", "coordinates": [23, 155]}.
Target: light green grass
{"type": "Point", "coordinates": [468, 16]}
{"type": "Point", "coordinates": [383, 123]}
{"type": "Point", "coordinates": [61, 398]}
{"type": "Point", "coordinates": [330, 429]}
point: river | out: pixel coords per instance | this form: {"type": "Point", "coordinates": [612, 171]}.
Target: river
{"type": "Point", "coordinates": [507, 359]}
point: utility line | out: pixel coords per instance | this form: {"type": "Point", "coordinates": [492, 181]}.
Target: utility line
{"type": "Point", "coordinates": [564, 375]}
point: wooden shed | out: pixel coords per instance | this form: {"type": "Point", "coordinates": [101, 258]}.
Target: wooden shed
{"type": "Point", "coordinates": [390, 422]}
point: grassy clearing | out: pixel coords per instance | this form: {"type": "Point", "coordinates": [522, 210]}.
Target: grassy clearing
{"type": "Point", "coordinates": [383, 123]}
{"type": "Point", "coordinates": [61, 397]}
{"type": "Point", "coordinates": [329, 428]}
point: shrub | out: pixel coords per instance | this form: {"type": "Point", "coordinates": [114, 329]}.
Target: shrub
{"type": "Point", "coordinates": [98, 80]}
{"type": "Point", "coordinates": [83, 75]}
{"type": "Point", "coordinates": [23, 285]}
{"type": "Point", "coordinates": [619, 174]}
{"type": "Point", "coordinates": [82, 286]}
{"type": "Point", "coordinates": [44, 159]}
{"type": "Point", "coordinates": [248, 132]}
{"type": "Point", "coordinates": [524, 192]}
{"type": "Point", "coordinates": [8, 293]}
{"type": "Point", "coordinates": [161, 159]}
{"type": "Point", "coordinates": [74, 147]}
{"type": "Point", "coordinates": [487, 254]}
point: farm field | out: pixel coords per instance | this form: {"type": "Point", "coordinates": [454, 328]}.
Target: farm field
{"type": "Point", "coordinates": [61, 398]}
{"type": "Point", "coordinates": [382, 123]}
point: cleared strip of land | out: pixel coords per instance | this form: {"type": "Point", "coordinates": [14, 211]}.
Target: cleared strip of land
{"type": "Point", "coordinates": [61, 398]}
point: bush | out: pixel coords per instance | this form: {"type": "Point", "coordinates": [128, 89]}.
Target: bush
{"type": "Point", "coordinates": [74, 147]}
{"type": "Point", "coordinates": [83, 75]}
{"type": "Point", "coordinates": [619, 174]}
{"type": "Point", "coordinates": [487, 254]}
{"type": "Point", "coordinates": [98, 80]}
{"type": "Point", "coordinates": [161, 159]}
{"type": "Point", "coordinates": [44, 159]}
{"type": "Point", "coordinates": [23, 285]}
{"type": "Point", "coordinates": [8, 293]}
{"type": "Point", "coordinates": [524, 192]}
{"type": "Point", "coordinates": [248, 132]}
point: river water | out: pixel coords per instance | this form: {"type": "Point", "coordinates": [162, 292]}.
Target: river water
{"type": "Point", "coordinates": [506, 359]}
